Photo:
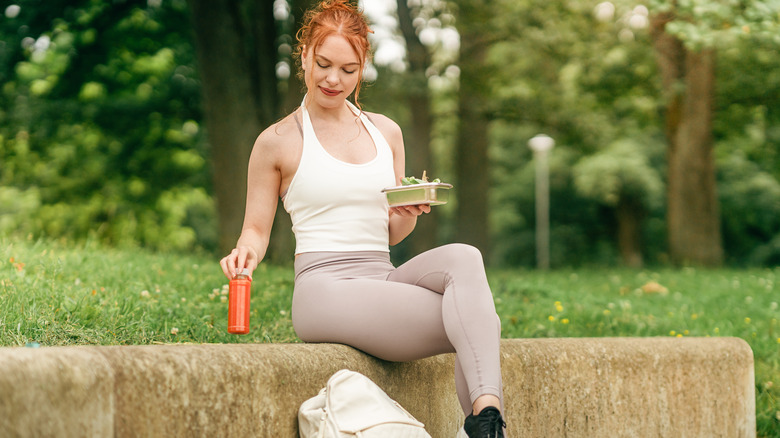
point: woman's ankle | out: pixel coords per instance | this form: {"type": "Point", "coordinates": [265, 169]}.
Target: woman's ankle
{"type": "Point", "coordinates": [484, 401]}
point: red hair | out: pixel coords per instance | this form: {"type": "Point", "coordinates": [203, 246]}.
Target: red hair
{"type": "Point", "coordinates": [335, 17]}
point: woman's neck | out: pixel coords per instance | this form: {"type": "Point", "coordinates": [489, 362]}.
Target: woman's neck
{"type": "Point", "coordinates": [338, 114]}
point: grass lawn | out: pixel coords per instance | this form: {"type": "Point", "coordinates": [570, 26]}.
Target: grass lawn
{"type": "Point", "coordinates": [62, 294]}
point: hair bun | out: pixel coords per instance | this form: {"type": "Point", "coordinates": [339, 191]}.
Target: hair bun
{"type": "Point", "coordinates": [337, 4]}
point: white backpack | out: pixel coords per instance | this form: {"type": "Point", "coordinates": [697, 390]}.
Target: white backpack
{"type": "Point", "coordinates": [351, 405]}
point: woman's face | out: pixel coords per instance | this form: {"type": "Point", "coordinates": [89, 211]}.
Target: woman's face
{"type": "Point", "coordinates": [333, 72]}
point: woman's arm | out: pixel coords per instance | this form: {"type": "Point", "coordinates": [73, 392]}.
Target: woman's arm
{"type": "Point", "coordinates": [263, 182]}
{"type": "Point", "coordinates": [402, 219]}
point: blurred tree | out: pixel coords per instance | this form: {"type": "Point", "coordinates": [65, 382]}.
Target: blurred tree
{"type": "Point", "coordinates": [753, 234]}
{"type": "Point", "coordinates": [685, 36]}
{"type": "Point", "coordinates": [472, 168]}
{"type": "Point", "coordinates": [563, 70]}
{"type": "Point", "coordinates": [99, 129]}
{"type": "Point", "coordinates": [282, 245]}
{"type": "Point", "coordinates": [100, 119]}
{"type": "Point", "coordinates": [693, 212]}
{"type": "Point", "coordinates": [236, 48]}
{"type": "Point", "coordinates": [621, 177]}
{"type": "Point", "coordinates": [747, 129]}
{"type": "Point", "coordinates": [238, 45]}
{"type": "Point", "coordinates": [414, 22]}
{"type": "Point", "coordinates": [417, 139]}
{"type": "Point", "coordinates": [559, 86]}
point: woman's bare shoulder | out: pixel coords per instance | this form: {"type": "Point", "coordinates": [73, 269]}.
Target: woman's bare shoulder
{"type": "Point", "coordinates": [387, 126]}
{"type": "Point", "coordinates": [281, 137]}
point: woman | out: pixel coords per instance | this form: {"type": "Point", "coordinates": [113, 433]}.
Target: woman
{"type": "Point", "coordinates": [329, 161]}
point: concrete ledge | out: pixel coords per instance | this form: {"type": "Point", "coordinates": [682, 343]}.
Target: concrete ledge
{"type": "Point", "coordinates": [55, 392]}
{"type": "Point", "coordinates": [587, 387]}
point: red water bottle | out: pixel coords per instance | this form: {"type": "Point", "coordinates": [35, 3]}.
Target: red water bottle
{"type": "Point", "coordinates": [238, 306]}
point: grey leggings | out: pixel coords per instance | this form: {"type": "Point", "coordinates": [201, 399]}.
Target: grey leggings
{"type": "Point", "coordinates": [438, 302]}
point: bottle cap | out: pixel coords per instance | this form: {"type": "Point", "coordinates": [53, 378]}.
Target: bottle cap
{"type": "Point", "coordinates": [244, 273]}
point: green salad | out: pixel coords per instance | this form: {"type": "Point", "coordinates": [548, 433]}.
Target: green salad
{"type": "Point", "coordinates": [409, 180]}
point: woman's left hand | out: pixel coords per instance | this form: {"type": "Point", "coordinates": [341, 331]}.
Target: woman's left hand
{"type": "Point", "coordinates": [411, 210]}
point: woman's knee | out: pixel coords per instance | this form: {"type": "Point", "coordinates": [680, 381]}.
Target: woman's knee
{"type": "Point", "coordinates": [461, 253]}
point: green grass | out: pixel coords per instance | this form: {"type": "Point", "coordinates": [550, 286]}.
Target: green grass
{"type": "Point", "coordinates": [54, 293]}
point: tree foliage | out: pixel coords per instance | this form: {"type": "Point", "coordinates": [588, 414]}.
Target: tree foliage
{"type": "Point", "coordinates": [586, 75]}
{"type": "Point", "coordinates": [100, 132]}
{"type": "Point", "coordinates": [621, 170]}
{"type": "Point", "coordinates": [102, 127]}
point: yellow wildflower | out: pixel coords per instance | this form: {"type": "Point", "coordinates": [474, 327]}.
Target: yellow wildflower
{"type": "Point", "coordinates": [565, 321]}
{"type": "Point", "coordinates": [551, 318]}
{"type": "Point", "coordinates": [747, 320]}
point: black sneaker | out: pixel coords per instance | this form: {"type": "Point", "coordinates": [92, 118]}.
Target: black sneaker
{"type": "Point", "coordinates": [488, 424]}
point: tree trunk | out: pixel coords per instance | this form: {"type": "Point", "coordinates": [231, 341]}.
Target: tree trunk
{"type": "Point", "coordinates": [282, 245]}
{"type": "Point", "coordinates": [229, 106]}
{"type": "Point", "coordinates": [472, 170]}
{"type": "Point", "coordinates": [629, 231]}
{"type": "Point", "coordinates": [417, 141]}
{"type": "Point", "coordinates": [295, 88]}
{"type": "Point", "coordinates": [236, 43]}
{"type": "Point", "coordinates": [693, 213]}
{"type": "Point", "coordinates": [264, 56]}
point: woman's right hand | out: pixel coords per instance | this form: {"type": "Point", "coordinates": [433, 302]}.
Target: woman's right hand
{"type": "Point", "coordinates": [239, 258]}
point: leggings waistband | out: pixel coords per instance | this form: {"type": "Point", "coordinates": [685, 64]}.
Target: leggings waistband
{"type": "Point", "coordinates": [310, 261]}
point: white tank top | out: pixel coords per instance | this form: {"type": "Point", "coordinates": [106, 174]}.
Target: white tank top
{"type": "Point", "coordinates": [339, 206]}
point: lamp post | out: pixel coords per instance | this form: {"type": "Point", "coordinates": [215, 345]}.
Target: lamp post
{"type": "Point", "coordinates": [541, 144]}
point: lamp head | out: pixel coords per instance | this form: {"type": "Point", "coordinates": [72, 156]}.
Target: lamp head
{"type": "Point", "coordinates": [541, 143]}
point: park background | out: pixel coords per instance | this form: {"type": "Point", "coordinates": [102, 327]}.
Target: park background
{"type": "Point", "coordinates": [131, 122]}
{"type": "Point", "coordinates": [127, 125]}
